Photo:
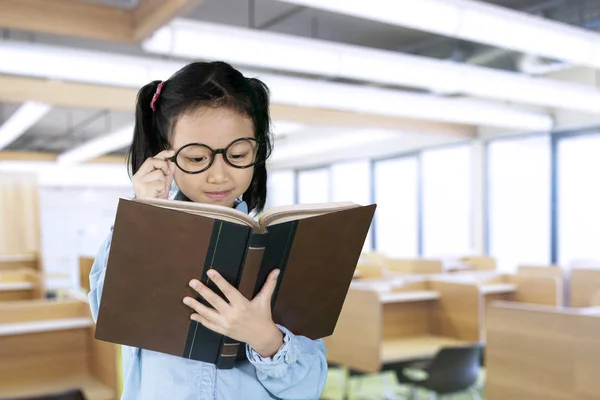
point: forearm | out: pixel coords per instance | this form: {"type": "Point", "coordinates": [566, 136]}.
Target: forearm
{"type": "Point", "coordinates": [297, 371]}
{"type": "Point", "coordinates": [96, 277]}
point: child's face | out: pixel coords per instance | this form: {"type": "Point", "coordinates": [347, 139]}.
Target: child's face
{"type": "Point", "coordinates": [220, 184]}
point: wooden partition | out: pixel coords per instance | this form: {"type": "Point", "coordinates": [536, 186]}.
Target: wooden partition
{"type": "Point", "coordinates": [585, 283]}
{"type": "Point", "coordinates": [47, 346]}
{"type": "Point", "coordinates": [85, 267]}
{"type": "Point", "coordinates": [414, 266]}
{"type": "Point", "coordinates": [19, 213]}
{"type": "Point", "coordinates": [459, 311]}
{"type": "Point", "coordinates": [541, 270]}
{"type": "Point", "coordinates": [480, 263]}
{"type": "Point", "coordinates": [539, 352]}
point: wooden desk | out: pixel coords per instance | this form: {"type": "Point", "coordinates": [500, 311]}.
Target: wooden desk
{"type": "Point", "coordinates": [498, 288]}
{"type": "Point", "coordinates": [382, 324]}
{"type": "Point", "coordinates": [48, 346]}
{"type": "Point", "coordinates": [20, 284]}
{"type": "Point", "coordinates": [418, 347]}
{"type": "Point", "coordinates": [20, 277]}
{"type": "Point", "coordinates": [404, 297]}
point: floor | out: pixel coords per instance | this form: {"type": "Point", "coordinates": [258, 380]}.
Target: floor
{"type": "Point", "coordinates": [379, 387]}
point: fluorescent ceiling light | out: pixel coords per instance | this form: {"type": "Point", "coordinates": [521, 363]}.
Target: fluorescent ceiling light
{"type": "Point", "coordinates": [53, 174]}
{"type": "Point", "coordinates": [194, 39]}
{"type": "Point", "coordinates": [477, 22]}
{"type": "Point", "coordinates": [44, 61]}
{"type": "Point", "coordinates": [21, 120]}
{"type": "Point", "coordinates": [98, 147]}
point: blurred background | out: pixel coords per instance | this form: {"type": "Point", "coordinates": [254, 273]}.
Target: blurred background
{"type": "Point", "coordinates": [470, 123]}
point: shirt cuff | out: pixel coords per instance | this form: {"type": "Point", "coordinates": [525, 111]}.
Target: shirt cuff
{"type": "Point", "coordinates": [285, 355]}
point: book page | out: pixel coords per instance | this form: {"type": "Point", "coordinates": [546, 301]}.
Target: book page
{"type": "Point", "coordinates": [278, 215]}
{"type": "Point", "coordinates": [208, 210]}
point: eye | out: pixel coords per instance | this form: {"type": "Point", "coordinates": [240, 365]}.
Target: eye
{"type": "Point", "coordinates": [199, 159]}
{"type": "Point", "coordinates": [238, 156]}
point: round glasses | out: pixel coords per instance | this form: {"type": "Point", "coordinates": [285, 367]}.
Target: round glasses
{"type": "Point", "coordinates": [194, 158]}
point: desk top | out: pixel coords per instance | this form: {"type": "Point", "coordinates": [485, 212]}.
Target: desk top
{"type": "Point", "coordinates": [8, 286]}
{"type": "Point", "coordinates": [495, 288]}
{"type": "Point", "coordinates": [32, 386]}
{"type": "Point", "coordinates": [19, 328]}
{"type": "Point", "coordinates": [411, 348]}
{"type": "Point", "coordinates": [408, 296]}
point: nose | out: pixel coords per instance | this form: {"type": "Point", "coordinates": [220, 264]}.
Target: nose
{"type": "Point", "coordinates": [217, 173]}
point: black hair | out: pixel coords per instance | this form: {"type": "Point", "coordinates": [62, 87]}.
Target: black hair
{"type": "Point", "coordinates": [203, 84]}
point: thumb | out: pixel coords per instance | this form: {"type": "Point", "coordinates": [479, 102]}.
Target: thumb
{"type": "Point", "coordinates": [268, 288]}
{"type": "Point", "coordinates": [170, 175]}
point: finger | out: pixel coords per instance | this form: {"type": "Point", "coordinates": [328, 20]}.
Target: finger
{"type": "Point", "coordinates": [213, 299]}
{"type": "Point", "coordinates": [155, 176]}
{"type": "Point", "coordinates": [266, 292]}
{"type": "Point", "coordinates": [209, 324]}
{"type": "Point", "coordinates": [163, 155]}
{"type": "Point", "coordinates": [170, 179]}
{"type": "Point", "coordinates": [232, 294]}
{"type": "Point", "coordinates": [158, 187]}
{"type": "Point", "coordinates": [152, 164]}
{"type": "Point", "coordinates": [204, 312]}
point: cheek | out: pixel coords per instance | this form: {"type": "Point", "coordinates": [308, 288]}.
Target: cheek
{"type": "Point", "coordinates": [243, 178]}
{"type": "Point", "coordinates": [183, 180]}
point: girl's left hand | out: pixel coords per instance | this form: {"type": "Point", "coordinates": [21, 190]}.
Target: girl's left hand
{"type": "Point", "coordinates": [244, 320]}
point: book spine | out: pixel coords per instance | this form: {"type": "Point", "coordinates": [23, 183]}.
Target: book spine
{"type": "Point", "coordinates": [226, 255]}
{"type": "Point", "coordinates": [230, 348]}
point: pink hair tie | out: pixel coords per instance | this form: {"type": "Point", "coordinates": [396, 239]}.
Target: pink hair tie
{"type": "Point", "coordinates": [156, 95]}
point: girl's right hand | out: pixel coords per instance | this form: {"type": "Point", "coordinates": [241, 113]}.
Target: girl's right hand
{"type": "Point", "coordinates": [153, 179]}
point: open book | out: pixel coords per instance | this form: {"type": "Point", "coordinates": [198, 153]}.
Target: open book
{"type": "Point", "coordinates": [158, 246]}
{"type": "Point", "coordinates": [272, 216]}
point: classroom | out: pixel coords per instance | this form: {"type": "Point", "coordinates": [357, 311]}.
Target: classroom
{"type": "Point", "coordinates": [468, 123]}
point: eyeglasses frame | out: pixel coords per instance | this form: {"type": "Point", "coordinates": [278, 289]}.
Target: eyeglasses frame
{"type": "Point", "coordinates": [215, 152]}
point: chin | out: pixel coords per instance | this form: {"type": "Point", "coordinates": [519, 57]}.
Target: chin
{"type": "Point", "coordinates": [226, 202]}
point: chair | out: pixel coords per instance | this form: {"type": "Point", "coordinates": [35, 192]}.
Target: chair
{"type": "Point", "coordinates": [74, 394]}
{"type": "Point", "coordinates": [452, 370]}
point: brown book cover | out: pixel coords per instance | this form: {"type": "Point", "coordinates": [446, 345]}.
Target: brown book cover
{"type": "Point", "coordinates": [158, 246]}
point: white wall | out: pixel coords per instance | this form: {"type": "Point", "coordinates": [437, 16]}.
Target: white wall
{"type": "Point", "coordinates": [74, 222]}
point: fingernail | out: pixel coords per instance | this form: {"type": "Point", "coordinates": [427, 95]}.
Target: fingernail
{"type": "Point", "coordinates": [194, 284]}
{"type": "Point", "coordinates": [186, 301]}
{"type": "Point", "coordinates": [211, 273]}
{"type": "Point", "coordinates": [277, 274]}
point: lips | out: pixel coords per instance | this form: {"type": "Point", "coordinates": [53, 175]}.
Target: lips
{"type": "Point", "coordinates": [218, 195]}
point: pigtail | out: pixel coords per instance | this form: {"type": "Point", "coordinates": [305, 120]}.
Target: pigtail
{"type": "Point", "coordinates": [256, 195]}
{"type": "Point", "coordinates": [147, 140]}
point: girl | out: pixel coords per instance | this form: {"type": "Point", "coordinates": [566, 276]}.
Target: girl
{"type": "Point", "coordinates": [208, 128]}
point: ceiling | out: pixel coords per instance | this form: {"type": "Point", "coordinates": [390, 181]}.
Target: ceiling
{"type": "Point", "coordinates": [62, 129]}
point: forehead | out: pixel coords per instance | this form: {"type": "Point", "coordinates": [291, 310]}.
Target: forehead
{"type": "Point", "coordinates": [215, 127]}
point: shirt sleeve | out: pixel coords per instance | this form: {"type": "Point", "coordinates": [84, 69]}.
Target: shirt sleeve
{"type": "Point", "coordinates": [97, 275]}
{"type": "Point", "coordinates": [297, 371]}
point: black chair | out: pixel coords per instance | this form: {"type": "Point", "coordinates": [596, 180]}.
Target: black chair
{"type": "Point", "coordinates": [73, 394]}
{"type": "Point", "coordinates": [452, 370]}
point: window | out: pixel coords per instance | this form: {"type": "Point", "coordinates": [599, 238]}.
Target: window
{"type": "Point", "coordinates": [519, 201]}
{"type": "Point", "coordinates": [313, 186]}
{"type": "Point", "coordinates": [351, 181]}
{"type": "Point", "coordinates": [446, 201]}
{"type": "Point", "coordinates": [578, 199]}
{"type": "Point", "coordinates": [280, 190]}
{"type": "Point", "coordinates": [396, 218]}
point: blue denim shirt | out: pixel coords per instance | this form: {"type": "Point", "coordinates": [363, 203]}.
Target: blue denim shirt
{"type": "Point", "coordinates": [297, 371]}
